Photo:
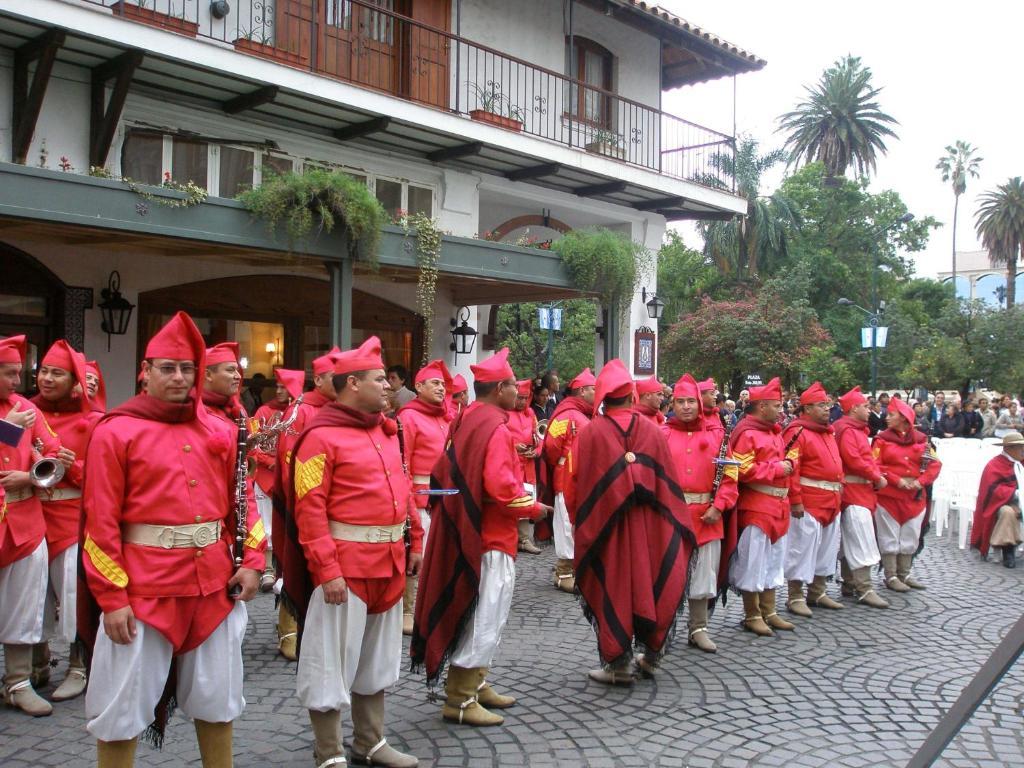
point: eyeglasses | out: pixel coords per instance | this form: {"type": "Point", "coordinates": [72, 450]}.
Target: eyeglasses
{"type": "Point", "coordinates": [186, 369]}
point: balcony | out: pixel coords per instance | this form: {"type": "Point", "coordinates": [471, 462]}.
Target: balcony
{"type": "Point", "coordinates": [364, 44]}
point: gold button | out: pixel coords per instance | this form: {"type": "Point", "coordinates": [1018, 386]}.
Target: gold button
{"type": "Point", "coordinates": [689, 471]}
{"type": "Point", "coordinates": [199, 553]}
{"type": "Point", "coordinates": [689, 434]}
{"type": "Point", "coordinates": [396, 504]}
{"type": "Point", "coordinates": [187, 448]}
{"type": "Point", "coordinates": [193, 483]}
{"type": "Point", "coordinates": [689, 450]}
{"type": "Point", "coordinates": [377, 445]}
{"type": "Point", "coordinates": [7, 458]}
{"type": "Point", "coordinates": [199, 518]}
{"type": "Point", "coordinates": [387, 472]}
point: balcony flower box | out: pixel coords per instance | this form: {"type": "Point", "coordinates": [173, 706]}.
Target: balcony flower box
{"type": "Point", "coordinates": [508, 123]}
{"type": "Point", "coordinates": [607, 149]}
{"type": "Point", "coordinates": [267, 51]}
{"type": "Point", "coordinates": [155, 18]}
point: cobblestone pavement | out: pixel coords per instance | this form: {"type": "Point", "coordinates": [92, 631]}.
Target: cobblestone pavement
{"type": "Point", "coordinates": [860, 687]}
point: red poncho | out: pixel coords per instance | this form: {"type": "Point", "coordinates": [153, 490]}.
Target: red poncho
{"type": "Point", "coordinates": [633, 535]}
{"type": "Point", "coordinates": [998, 484]}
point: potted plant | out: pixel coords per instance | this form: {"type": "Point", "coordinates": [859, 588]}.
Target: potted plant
{"type": "Point", "coordinates": [495, 108]}
{"type": "Point", "coordinates": [264, 47]}
{"type": "Point", "coordinates": [139, 10]}
{"type": "Point", "coordinates": [608, 143]}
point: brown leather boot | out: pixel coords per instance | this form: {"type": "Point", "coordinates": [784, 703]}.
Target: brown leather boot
{"type": "Point", "coordinates": [846, 573]}
{"type": "Point", "coordinates": [461, 705]}
{"type": "Point", "coordinates": [18, 691]}
{"type": "Point", "coordinates": [698, 627]}
{"type": "Point", "coordinates": [116, 754]}
{"type": "Point", "coordinates": [565, 575]}
{"type": "Point", "coordinates": [327, 747]}
{"type": "Point", "coordinates": [818, 597]}
{"type": "Point", "coordinates": [369, 746]}
{"type": "Point", "coordinates": [525, 539]}
{"type": "Point", "coordinates": [865, 594]}
{"type": "Point", "coordinates": [797, 603]}
{"type": "Point", "coordinates": [214, 743]}
{"type": "Point", "coordinates": [489, 697]}
{"type": "Point", "coordinates": [771, 618]}
{"type": "Point", "coordinates": [903, 566]}
{"type": "Point", "coordinates": [892, 579]}
{"type": "Point", "coordinates": [753, 621]}
{"type": "Point", "coordinates": [74, 679]}
{"type": "Point", "coordinates": [408, 603]}
{"type": "Point", "coordinates": [287, 633]}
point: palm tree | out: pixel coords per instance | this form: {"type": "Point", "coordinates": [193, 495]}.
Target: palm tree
{"type": "Point", "coordinates": [839, 123]}
{"type": "Point", "coordinates": [958, 163]}
{"type": "Point", "coordinates": [1000, 225]}
{"type": "Point", "coordinates": [743, 247]}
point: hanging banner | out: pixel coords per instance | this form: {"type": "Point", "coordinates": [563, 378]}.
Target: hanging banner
{"type": "Point", "coordinates": [644, 341]}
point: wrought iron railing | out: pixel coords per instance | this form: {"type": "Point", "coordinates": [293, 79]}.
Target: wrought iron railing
{"type": "Point", "coordinates": [366, 43]}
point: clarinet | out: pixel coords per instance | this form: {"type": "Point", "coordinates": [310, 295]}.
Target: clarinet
{"type": "Point", "coordinates": [723, 450]}
{"type": "Point", "coordinates": [407, 530]}
{"type": "Point", "coordinates": [241, 500]}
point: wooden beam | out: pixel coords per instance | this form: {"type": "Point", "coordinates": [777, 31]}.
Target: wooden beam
{"type": "Point", "coordinates": [454, 153]}
{"type": "Point", "coordinates": [365, 128]}
{"type": "Point", "coordinates": [534, 172]}
{"type": "Point", "coordinates": [104, 115]}
{"type": "Point", "coordinates": [596, 190]}
{"type": "Point", "coordinates": [250, 100]}
{"type": "Point", "coordinates": [660, 203]}
{"type": "Point", "coordinates": [699, 215]}
{"type": "Point", "coordinates": [26, 99]}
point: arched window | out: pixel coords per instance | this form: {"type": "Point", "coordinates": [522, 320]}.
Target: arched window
{"type": "Point", "coordinates": [592, 64]}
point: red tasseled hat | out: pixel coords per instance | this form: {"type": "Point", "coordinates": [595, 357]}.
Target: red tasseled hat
{"type": "Point", "coordinates": [707, 385]}
{"type": "Point", "coordinates": [290, 380]}
{"type": "Point", "coordinates": [13, 349]}
{"type": "Point", "coordinates": [100, 400]}
{"type": "Point", "coordinates": [902, 409]}
{"type": "Point", "coordinates": [225, 352]}
{"type": "Point", "coordinates": [524, 387]}
{"type": "Point", "coordinates": [614, 381]}
{"type": "Point", "coordinates": [435, 369]}
{"type": "Point", "coordinates": [459, 384]}
{"type": "Point", "coordinates": [179, 339]}
{"type": "Point", "coordinates": [770, 391]}
{"type": "Point", "coordinates": [325, 363]}
{"type": "Point", "coordinates": [647, 386]}
{"type": "Point", "coordinates": [585, 379]}
{"type": "Point", "coordinates": [851, 399]}
{"type": "Point", "coordinates": [494, 368]}
{"type": "Point", "coordinates": [62, 356]}
{"type": "Point", "coordinates": [814, 394]}
{"type": "Point", "coordinates": [686, 387]}
{"type": "Point", "coordinates": [365, 357]}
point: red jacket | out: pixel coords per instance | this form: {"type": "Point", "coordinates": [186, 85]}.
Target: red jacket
{"type": "Point", "coordinates": [896, 460]}
{"type": "Point", "coordinates": [858, 461]}
{"type": "Point", "coordinates": [653, 414]}
{"type": "Point", "coordinates": [523, 426]}
{"type": "Point", "coordinates": [560, 440]}
{"type": "Point", "coordinates": [817, 459]}
{"type": "Point", "coordinates": [759, 448]}
{"type": "Point", "coordinates": [713, 422]}
{"type": "Point", "coordinates": [311, 404]}
{"type": "Point", "coordinates": [694, 449]}
{"type": "Point", "coordinates": [24, 522]}
{"type": "Point", "coordinates": [424, 436]}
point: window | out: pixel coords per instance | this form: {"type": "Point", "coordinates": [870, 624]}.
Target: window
{"type": "Point", "coordinates": [275, 165]}
{"type": "Point", "coordinates": [373, 25]}
{"type": "Point", "coordinates": [421, 200]}
{"type": "Point", "coordinates": [142, 157]}
{"type": "Point", "coordinates": [237, 168]}
{"type": "Point", "coordinates": [592, 65]}
{"type": "Point", "coordinates": [390, 195]}
{"type": "Point", "coordinates": [190, 161]}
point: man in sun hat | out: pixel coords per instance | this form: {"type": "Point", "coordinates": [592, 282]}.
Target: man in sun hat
{"type": "Point", "coordinates": [997, 515]}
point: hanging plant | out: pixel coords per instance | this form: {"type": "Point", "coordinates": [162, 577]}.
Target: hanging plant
{"type": "Point", "coordinates": [604, 263]}
{"type": "Point", "coordinates": [318, 199]}
{"type": "Point", "coordinates": [194, 194]}
{"type": "Point", "coordinates": [428, 256]}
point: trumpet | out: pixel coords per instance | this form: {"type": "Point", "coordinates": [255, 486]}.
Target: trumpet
{"type": "Point", "coordinates": [542, 428]}
{"type": "Point", "coordinates": [270, 430]}
{"type": "Point", "coordinates": [46, 473]}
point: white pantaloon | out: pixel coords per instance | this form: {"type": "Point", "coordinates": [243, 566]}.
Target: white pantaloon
{"type": "Point", "coordinates": [703, 582]}
{"type": "Point", "coordinates": [60, 615]}
{"type": "Point", "coordinates": [561, 528]}
{"type": "Point", "coordinates": [265, 506]}
{"type": "Point", "coordinates": [811, 549]}
{"type": "Point", "coordinates": [896, 539]}
{"type": "Point", "coordinates": [860, 548]}
{"type": "Point", "coordinates": [23, 598]}
{"type": "Point", "coordinates": [425, 522]}
{"type": "Point", "coordinates": [346, 650]}
{"type": "Point", "coordinates": [480, 639]}
{"type": "Point", "coordinates": [126, 681]}
{"type": "Point", "coordinates": [758, 564]}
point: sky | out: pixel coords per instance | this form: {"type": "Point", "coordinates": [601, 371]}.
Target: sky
{"type": "Point", "coordinates": [949, 70]}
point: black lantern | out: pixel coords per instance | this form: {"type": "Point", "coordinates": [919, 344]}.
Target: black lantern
{"type": "Point", "coordinates": [463, 334]}
{"type": "Point", "coordinates": [655, 306]}
{"type": "Point", "coordinates": [115, 308]}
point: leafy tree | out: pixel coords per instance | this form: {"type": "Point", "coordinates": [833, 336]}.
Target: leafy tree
{"type": "Point", "coordinates": [839, 123]}
{"type": "Point", "coordinates": [996, 341]}
{"type": "Point", "coordinates": [956, 165]}
{"type": "Point", "coordinates": [1000, 225]}
{"type": "Point", "coordinates": [824, 365]}
{"type": "Point", "coordinates": [683, 275]}
{"type": "Point", "coordinates": [518, 328]}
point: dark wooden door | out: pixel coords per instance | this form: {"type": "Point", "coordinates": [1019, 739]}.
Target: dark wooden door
{"type": "Point", "coordinates": [426, 53]}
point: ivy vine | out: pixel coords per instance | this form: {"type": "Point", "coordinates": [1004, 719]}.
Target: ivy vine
{"type": "Point", "coordinates": [428, 256]}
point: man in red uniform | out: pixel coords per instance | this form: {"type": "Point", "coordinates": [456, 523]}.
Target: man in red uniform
{"type": "Point", "coordinates": [634, 536]}
{"type": "Point", "coordinates": [695, 448]}
{"type": "Point", "coordinates": [522, 423]}
{"type": "Point", "coordinates": [997, 520]}
{"type": "Point", "coordinates": [23, 554]}
{"type": "Point", "coordinates": [815, 492]}
{"type": "Point", "coordinates": [96, 387]}
{"type": "Point", "coordinates": [159, 558]}
{"type": "Point", "coordinates": [570, 416]}
{"type": "Point", "coordinates": [765, 467]}
{"type": "Point", "coordinates": [64, 401]}
{"type": "Point", "coordinates": [424, 421]}
{"type": "Point", "coordinates": [708, 399]}
{"type": "Point", "coordinates": [222, 383]}
{"type": "Point", "coordinates": [346, 573]}
{"type": "Point", "coordinates": [649, 396]}
{"type": "Point", "coordinates": [469, 572]}
{"type": "Point", "coordinates": [909, 466]}
{"type": "Point", "coordinates": [459, 398]}
{"type": "Point", "coordinates": [861, 479]}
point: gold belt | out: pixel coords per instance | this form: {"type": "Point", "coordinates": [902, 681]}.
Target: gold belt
{"type": "Point", "coordinates": [58, 494]}
{"type": "Point", "coordinates": [194, 536]}
{"type": "Point", "coordinates": [697, 498]}
{"type": "Point", "coordinates": [367, 534]}
{"type": "Point", "coordinates": [771, 490]}
{"type": "Point", "coordinates": [20, 494]}
{"type": "Point", "coordinates": [825, 485]}
{"type": "Point", "coordinates": [857, 480]}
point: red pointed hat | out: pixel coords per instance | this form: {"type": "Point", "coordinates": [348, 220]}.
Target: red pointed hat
{"type": "Point", "coordinates": [706, 386]}
{"type": "Point", "coordinates": [494, 368]}
{"type": "Point", "coordinates": [904, 410]}
{"type": "Point", "coordinates": [12, 349]}
{"type": "Point", "coordinates": [585, 379]}
{"type": "Point", "coordinates": [647, 386]}
{"type": "Point", "coordinates": [614, 381]}
{"type": "Point", "coordinates": [325, 363]}
{"type": "Point", "coordinates": [459, 384]}
{"type": "Point", "coordinates": [814, 394]}
{"type": "Point", "coordinates": [524, 387]}
{"type": "Point", "coordinates": [365, 357]}
{"type": "Point", "coordinates": [770, 391]}
{"type": "Point", "coordinates": [686, 387]}
{"type": "Point", "coordinates": [290, 380]}
{"type": "Point", "coordinates": [225, 352]}
{"type": "Point", "coordinates": [435, 369]}
{"type": "Point", "coordinates": [851, 399]}
{"type": "Point", "coordinates": [100, 400]}
{"type": "Point", "coordinates": [179, 339]}
{"type": "Point", "coordinates": [61, 355]}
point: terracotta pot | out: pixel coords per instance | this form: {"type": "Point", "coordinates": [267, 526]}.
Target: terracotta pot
{"type": "Point", "coordinates": [267, 51]}
{"type": "Point", "coordinates": [501, 121]}
{"type": "Point", "coordinates": [606, 149]}
{"type": "Point", "coordinates": [155, 18]}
